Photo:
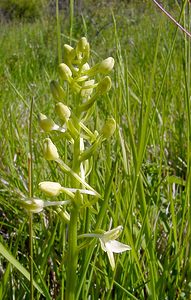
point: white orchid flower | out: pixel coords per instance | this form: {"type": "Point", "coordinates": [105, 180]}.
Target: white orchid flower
{"type": "Point", "coordinates": [35, 205]}
{"type": "Point", "coordinates": [109, 244]}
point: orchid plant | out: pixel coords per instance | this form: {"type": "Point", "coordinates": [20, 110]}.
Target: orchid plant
{"type": "Point", "coordinates": [80, 78]}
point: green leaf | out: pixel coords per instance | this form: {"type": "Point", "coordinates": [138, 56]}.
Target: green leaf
{"type": "Point", "coordinates": [17, 265]}
{"type": "Point", "coordinates": [176, 180]}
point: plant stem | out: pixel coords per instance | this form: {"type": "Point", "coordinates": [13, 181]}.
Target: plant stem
{"type": "Point", "coordinates": [30, 187]}
{"type": "Point", "coordinates": [58, 33]}
{"type": "Point", "coordinates": [72, 256]}
{"type": "Point", "coordinates": [71, 270]}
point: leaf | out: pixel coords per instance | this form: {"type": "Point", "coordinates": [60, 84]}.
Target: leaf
{"type": "Point", "coordinates": [176, 180]}
{"type": "Point", "coordinates": [17, 265]}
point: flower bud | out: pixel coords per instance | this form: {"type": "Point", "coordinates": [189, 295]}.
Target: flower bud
{"type": "Point", "coordinates": [108, 128]}
{"type": "Point", "coordinates": [85, 67]}
{"type": "Point", "coordinates": [33, 205]}
{"type": "Point", "coordinates": [87, 88]}
{"type": "Point", "coordinates": [65, 72]}
{"type": "Point", "coordinates": [50, 150]}
{"type": "Point", "coordinates": [50, 188]}
{"type": "Point", "coordinates": [62, 111]}
{"type": "Point", "coordinates": [83, 50]}
{"type": "Point", "coordinates": [104, 85]}
{"type": "Point", "coordinates": [57, 91]}
{"type": "Point", "coordinates": [45, 123]}
{"type": "Point", "coordinates": [106, 65]}
{"type": "Point", "coordinates": [82, 44]}
{"type": "Point", "coordinates": [69, 53]}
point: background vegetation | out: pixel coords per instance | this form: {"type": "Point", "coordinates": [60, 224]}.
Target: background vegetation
{"type": "Point", "coordinates": [144, 174]}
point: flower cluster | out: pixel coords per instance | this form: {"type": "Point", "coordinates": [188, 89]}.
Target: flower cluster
{"type": "Point", "coordinates": [77, 73]}
{"type": "Point", "coordinates": [79, 76]}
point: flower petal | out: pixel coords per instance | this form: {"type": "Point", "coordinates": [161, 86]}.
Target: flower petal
{"type": "Point", "coordinates": [111, 258]}
{"type": "Point", "coordinates": [116, 246]}
{"type": "Point", "coordinates": [103, 245]}
{"type": "Point", "coordinates": [112, 234]}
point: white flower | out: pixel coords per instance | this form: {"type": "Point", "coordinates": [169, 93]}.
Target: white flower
{"type": "Point", "coordinates": [35, 205]}
{"type": "Point", "coordinates": [109, 244]}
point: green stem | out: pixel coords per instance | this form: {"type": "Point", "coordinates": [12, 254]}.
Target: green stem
{"type": "Point", "coordinates": [30, 228]}
{"type": "Point", "coordinates": [71, 18]}
{"type": "Point", "coordinates": [30, 187]}
{"type": "Point", "coordinates": [31, 255]}
{"type": "Point", "coordinates": [58, 33]}
{"type": "Point", "coordinates": [72, 262]}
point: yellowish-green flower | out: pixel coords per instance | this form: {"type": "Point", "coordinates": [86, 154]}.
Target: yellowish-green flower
{"type": "Point", "coordinates": [50, 188]}
{"type": "Point", "coordinates": [108, 128]}
{"type": "Point", "coordinates": [62, 111]}
{"type": "Point", "coordinates": [49, 149]}
{"type": "Point", "coordinates": [47, 124]}
{"type": "Point", "coordinates": [65, 72]}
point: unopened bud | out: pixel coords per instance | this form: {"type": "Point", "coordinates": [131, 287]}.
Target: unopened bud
{"type": "Point", "coordinates": [49, 149]}
{"type": "Point", "coordinates": [87, 88]}
{"type": "Point", "coordinates": [108, 128]}
{"type": "Point", "coordinates": [65, 72]}
{"type": "Point", "coordinates": [85, 67]}
{"type": "Point", "coordinates": [104, 86]}
{"type": "Point", "coordinates": [62, 111]}
{"type": "Point", "coordinates": [69, 53]}
{"type": "Point", "coordinates": [57, 91]}
{"type": "Point", "coordinates": [50, 188]}
{"type": "Point", "coordinates": [106, 65]}
{"type": "Point", "coordinates": [83, 50]}
{"type": "Point", "coordinates": [82, 44]}
{"type": "Point", "coordinates": [45, 123]}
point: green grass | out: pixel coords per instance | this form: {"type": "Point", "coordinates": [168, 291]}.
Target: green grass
{"type": "Point", "coordinates": [142, 173]}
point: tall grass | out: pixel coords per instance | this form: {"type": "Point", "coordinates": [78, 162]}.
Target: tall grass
{"type": "Point", "coordinates": [143, 174]}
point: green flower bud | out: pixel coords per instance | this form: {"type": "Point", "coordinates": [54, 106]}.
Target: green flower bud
{"type": "Point", "coordinates": [106, 65]}
{"type": "Point", "coordinates": [85, 67]}
{"type": "Point", "coordinates": [69, 53]}
{"type": "Point", "coordinates": [50, 150]}
{"type": "Point", "coordinates": [83, 50]}
{"type": "Point", "coordinates": [45, 123]}
{"type": "Point", "coordinates": [104, 85]}
{"type": "Point", "coordinates": [87, 89]}
{"type": "Point", "coordinates": [50, 188]}
{"type": "Point", "coordinates": [65, 72]}
{"type": "Point", "coordinates": [62, 111]}
{"type": "Point", "coordinates": [57, 91]}
{"type": "Point", "coordinates": [108, 128]}
{"type": "Point", "coordinates": [82, 44]}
